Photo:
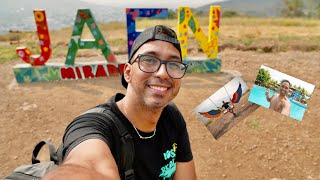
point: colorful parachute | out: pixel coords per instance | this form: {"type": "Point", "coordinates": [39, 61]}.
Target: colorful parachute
{"type": "Point", "coordinates": [237, 95]}
{"type": "Point", "coordinates": [214, 113]}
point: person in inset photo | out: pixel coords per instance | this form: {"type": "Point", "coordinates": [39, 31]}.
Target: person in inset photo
{"type": "Point", "coordinates": [280, 102]}
{"type": "Point", "coordinates": [228, 108]}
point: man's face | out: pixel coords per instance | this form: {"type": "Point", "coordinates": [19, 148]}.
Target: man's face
{"type": "Point", "coordinates": [284, 88]}
{"type": "Point", "coordinates": [153, 90]}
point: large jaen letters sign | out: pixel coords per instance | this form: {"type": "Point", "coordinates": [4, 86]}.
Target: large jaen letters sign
{"type": "Point", "coordinates": [37, 68]}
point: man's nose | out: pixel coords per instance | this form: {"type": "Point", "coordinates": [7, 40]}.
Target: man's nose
{"type": "Point", "coordinates": [162, 72]}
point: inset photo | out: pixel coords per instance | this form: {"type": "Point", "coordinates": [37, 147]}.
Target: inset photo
{"type": "Point", "coordinates": [226, 107]}
{"type": "Point", "coordinates": [281, 92]}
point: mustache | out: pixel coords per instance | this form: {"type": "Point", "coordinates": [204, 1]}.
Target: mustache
{"type": "Point", "coordinates": [159, 81]}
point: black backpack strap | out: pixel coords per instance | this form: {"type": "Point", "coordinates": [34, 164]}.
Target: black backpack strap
{"type": "Point", "coordinates": [37, 148]}
{"type": "Point", "coordinates": [59, 153]}
{"type": "Point", "coordinates": [127, 145]}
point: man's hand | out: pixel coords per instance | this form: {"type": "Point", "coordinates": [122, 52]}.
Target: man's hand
{"type": "Point", "coordinates": [267, 95]}
{"type": "Point", "coordinates": [267, 92]}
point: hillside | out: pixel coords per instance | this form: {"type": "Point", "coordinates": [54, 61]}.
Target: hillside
{"type": "Point", "coordinates": [260, 8]}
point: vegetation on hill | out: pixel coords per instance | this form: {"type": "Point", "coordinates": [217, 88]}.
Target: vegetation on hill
{"type": "Point", "coordinates": [301, 8]}
{"type": "Point", "coordinates": [270, 8]}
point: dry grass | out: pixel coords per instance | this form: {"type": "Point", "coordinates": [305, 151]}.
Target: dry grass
{"type": "Point", "coordinates": [242, 33]}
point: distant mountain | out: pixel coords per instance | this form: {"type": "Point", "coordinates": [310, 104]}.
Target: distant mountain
{"type": "Point", "coordinates": [18, 14]}
{"type": "Point", "coordinates": [260, 8]}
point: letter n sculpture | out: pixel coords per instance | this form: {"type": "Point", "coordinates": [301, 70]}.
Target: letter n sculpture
{"type": "Point", "coordinates": [209, 45]}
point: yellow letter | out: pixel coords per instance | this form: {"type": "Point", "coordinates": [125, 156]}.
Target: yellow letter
{"type": "Point", "coordinates": [208, 45]}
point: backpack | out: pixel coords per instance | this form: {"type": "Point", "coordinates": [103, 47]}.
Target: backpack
{"type": "Point", "coordinates": [38, 169]}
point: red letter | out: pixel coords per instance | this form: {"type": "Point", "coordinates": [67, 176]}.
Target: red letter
{"type": "Point", "coordinates": [113, 70]}
{"type": "Point", "coordinates": [67, 73]}
{"type": "Point", "coordinates": [100, 71]}
{"type": "Point", "coordinates": [120, 68]}
{"type": "Point", "coordinates": [87, 71]}
{"type": "Point", "coordinates": [44, 38]}
{"type": "Point", "coordinates": [78, 72]}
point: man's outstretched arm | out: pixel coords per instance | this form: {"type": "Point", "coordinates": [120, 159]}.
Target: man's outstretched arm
{"type": "Point", "coordinates": [91, 159]}
{"type": "Point", "coordinates": [72, 171]}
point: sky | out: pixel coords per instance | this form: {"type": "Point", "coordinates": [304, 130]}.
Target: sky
{"type": "Point", "coordinates": [153, 3]}
{"type": "Point", "coordinates": [279, 76]}
{"type": "Point", "coordinates": [17, 14]}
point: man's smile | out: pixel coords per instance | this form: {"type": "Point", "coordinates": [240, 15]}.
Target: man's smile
{"type": "Point", "coordinates": [158, 88]}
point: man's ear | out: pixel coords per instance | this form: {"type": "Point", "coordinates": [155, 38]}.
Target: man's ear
{"type": "Point", "coordinates": [127, 72]}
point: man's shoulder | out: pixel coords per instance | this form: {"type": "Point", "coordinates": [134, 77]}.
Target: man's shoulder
{"type": "Point", "coordinates": [273, 97]}
{"type": "Point", "coordinates": [105, 112]}
{"type": "Point", "coordinates": [288, 102]}
{"type": "Point", "coordinates": [172, 108]}
{"type": "Point", "coordinates": [108, 106]}
{"type": "Point", "coordinates": [172, 112]}
{"type": "Point", "coordinates": [111, 102]}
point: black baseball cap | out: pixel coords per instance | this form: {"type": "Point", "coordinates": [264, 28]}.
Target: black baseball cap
{"type": "Point", "coordinates": [158, 32]}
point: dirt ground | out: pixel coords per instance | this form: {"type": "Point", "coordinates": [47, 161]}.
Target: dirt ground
{"type": "Point", "coordinates": [265, 145]}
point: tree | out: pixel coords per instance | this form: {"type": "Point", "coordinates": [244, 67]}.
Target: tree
{"type": "Point", "coordinates": [316, 4]}
{"type": "Point", "coordinates": [293, 8]}
{"type": "Point", "coordinates": [273, 84]}
{"type": "Point", "coordinates": [230, 13]}
{"type": "Point", "coordinates": [172, 14]}
{"type": "Point", "coordinates": [304, 94]}
{"type": "Point", "coordinates": [263, 77]}
{"type": "Point", "coordinates": [312, 8]}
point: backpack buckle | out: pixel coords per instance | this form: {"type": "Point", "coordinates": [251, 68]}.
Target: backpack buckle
{"type": "Point", "coordinates": [129, 174]}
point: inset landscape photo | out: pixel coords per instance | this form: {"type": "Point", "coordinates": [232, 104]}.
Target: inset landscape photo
{"type": "Point", "coordinates": [281, 92]}
{"type": "Point", "coordinates": [226, 107]}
